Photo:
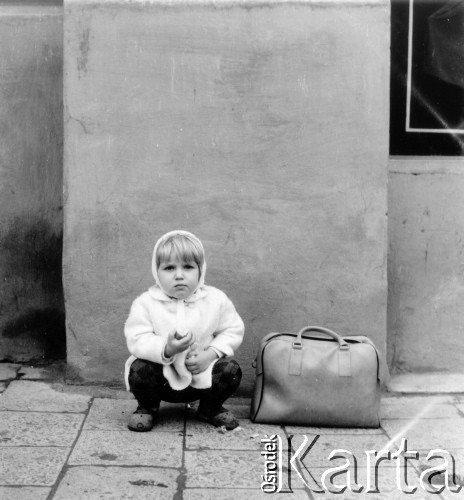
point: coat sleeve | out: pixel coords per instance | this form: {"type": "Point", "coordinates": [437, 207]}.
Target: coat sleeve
{"type": "Point", "coordinates": [229, 333]}
{"type": "Point", "coordinates": [142, 340]}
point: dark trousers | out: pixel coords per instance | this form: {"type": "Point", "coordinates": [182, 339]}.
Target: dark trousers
{"type": "Point", "coordinates": [149, 386]}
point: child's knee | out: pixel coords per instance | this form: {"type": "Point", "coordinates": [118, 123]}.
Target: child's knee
{"type": "Point", "coordinates": [144, 372]}
{"type": "Point", "coordinates": [227, 373]}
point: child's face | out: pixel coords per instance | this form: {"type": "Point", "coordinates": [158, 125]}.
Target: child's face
{"type": "Point", "coordinates": [179, 279]}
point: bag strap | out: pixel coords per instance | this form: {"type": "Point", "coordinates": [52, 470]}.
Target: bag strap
{"type": "Point", "coordinates": [296, 354]}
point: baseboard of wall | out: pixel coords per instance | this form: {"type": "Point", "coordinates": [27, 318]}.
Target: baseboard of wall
{"type": "Point", "coordinates": [426, 383]}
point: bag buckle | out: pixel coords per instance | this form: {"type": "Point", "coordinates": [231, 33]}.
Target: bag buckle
{"type": "Point", "coordinates": [296, 357]}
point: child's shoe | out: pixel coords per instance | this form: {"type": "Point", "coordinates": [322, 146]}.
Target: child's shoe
{"type": "Point", "coordinates": [222, 418]}
{"type": "Point", "coordinates": [143, 420]}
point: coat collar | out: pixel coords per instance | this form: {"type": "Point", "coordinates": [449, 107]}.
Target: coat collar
{"type": "Point", "coordinates": [157, 293]}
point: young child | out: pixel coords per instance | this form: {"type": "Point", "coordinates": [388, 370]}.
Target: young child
{"type": "Point", "coordinates": [181, 335]}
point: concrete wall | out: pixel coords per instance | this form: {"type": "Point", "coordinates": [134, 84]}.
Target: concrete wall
{"type": "Point", "coordinates": [426, 264]}
{"type": "Point", "coordinates": [31, 131]}
{"type": "Point", "coordinates": [262, 128]}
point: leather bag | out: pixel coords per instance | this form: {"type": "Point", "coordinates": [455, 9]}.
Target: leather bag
{"type": "Point", "coordinates": [317, 378]}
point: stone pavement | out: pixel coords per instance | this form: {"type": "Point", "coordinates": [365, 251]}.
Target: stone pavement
{"type": "Point", "coordinates": [71, 442]}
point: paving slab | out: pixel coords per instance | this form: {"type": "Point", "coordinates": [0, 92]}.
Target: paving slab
{"type": "Point", "coordinates": [357, 445]}
{"type": "Point", "coordinates": [452, 491]}
{"type": "Point", "coordinates": [113, 415]}
{"type": "Point", "coordinates": [300, 429]}
{"type": "Point", "coordinates": [117, 483]}
{"type": "Point", "coordinates": [248, 436]}
{"type": "Point", "coordinates": [38, 429]}
{"type": "Point", "coordinates": [156, 449]}
{"type": "Point", "coordinates": [31, 466]}
{"type": "Point", "coordinates": [457, 455]}
{"type": "Point", "coordinates": [427, 434]}
{"type": "Point", "coordinates": [240, 401]}
{"type": "Point", "coordinates": [239, 410]}
{"type": "Point", "coordinates": [389, 399]}
{"type": "Point", "coordinates": [455, 472]}
{"type": "Point", "coordinates": [8, 371]}
{"type": "Point", "coordinates": [460, 408]}
{"type": "Point", "coordinates": [426, 407]}
{"type": "Point", "coordinates": [386, 488]}
{"type": "Point", "coordinates": [240, 494]}
{"type": "Point", "coordinates": [446, 494]}
{"type": "Point", "coordinates": [223, 469]}
{"type": "Point", "coordinates": [99, 391]}
{"type": "Point", "coordinates": [49, 373]}
{"type": "Point", "coordinates": [25, 395]}
{"type": "Point", "coordinates": [109, 461]}
{"type": "Point", "coordinates": [24, 492]}
{"type": "Point", "coordinates": [436, 382]}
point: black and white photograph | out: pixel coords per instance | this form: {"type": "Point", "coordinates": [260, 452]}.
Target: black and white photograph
{"type": "Point", "coordinates": [231, 249]}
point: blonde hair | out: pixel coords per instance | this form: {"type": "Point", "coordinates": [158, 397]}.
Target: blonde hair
{"type": "Point", "coordinates": [181, 247]}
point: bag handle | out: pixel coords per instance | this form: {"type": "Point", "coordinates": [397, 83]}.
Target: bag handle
{"type": "Point", "coordinates": [342, 343]}
{"type": "Point", "coordinates": [344, 355]}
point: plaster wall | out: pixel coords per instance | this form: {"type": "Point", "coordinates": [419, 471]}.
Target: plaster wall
{"type": "Point", "coordinates": [426, 265]}
{"type": "Point", "coordinates": [31, 131]}
{"type": "Point", "coordinates": [262, 128]}
{"type": "Point", "coordinates": [425, 241]}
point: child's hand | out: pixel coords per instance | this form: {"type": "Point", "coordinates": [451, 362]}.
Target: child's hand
{"type": "Point", "coordinates": [197, 360]}
{"type": "Point", "coordinates": [175, 345]}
